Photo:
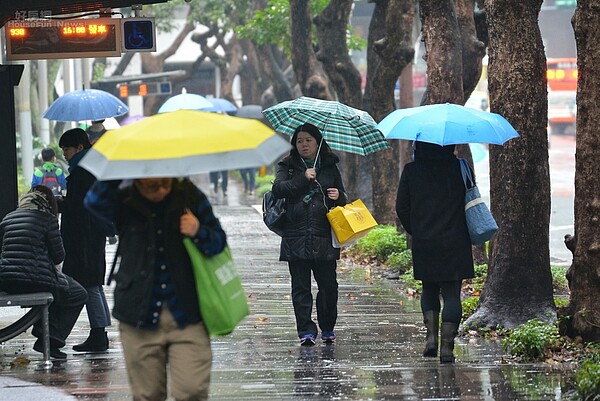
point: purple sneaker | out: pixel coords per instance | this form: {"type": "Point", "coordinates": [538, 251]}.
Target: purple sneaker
{"type": "Point", "coordinates": [328, 336]}
{"type": "Point", "coordinates": [307, 340]}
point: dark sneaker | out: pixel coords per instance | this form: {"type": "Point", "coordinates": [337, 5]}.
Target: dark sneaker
{"type": "Point", "coordinates": [328, 336]}
{"type": "Point", "coordinates": [307, 340]}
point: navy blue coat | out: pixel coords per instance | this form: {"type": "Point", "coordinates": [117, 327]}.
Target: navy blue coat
{"type": "Point", "coordinates": [84, 235]}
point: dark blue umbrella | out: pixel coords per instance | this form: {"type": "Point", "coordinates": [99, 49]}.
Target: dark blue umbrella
{"type": "Point", "coordinates": [85, 104]}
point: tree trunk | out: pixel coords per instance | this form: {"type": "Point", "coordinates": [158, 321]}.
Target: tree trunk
{"type": "Point", "coordinates": [304, 59]}
{"type": "Point", "coordinates": [389, 50]}
{"type": "Point", "coordinates": [333, 52]}
{"type": "Point", "coordinates": [473, 49]}
{"type": "Point", "coordinates": [519, 283]}
{"type": "Point", "coordinates": [443, 46]}
{"type": "Point", "coordinates": [281, 88]}
{"type": "Point", "coordinates": [584, 274]}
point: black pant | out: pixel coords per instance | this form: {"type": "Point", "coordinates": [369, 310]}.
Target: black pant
{"type": "Point", "coordinates": [450, 291]}
{"type": "Point", "coordinates": [327, 295]}
{"type": "Point", "coordinates": [63, 313]}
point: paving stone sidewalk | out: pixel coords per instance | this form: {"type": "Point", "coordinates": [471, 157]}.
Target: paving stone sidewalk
{"type": "Point", "coordinates": [377, 355]}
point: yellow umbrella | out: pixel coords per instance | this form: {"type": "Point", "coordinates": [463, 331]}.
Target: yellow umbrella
{"type": "Point", "coordinates": [183, 143]}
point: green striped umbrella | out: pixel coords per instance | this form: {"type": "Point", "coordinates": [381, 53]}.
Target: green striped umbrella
{"type": "Point", "coordinates": [343, 127]}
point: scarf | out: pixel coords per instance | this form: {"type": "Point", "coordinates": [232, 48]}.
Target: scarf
{"type": "Point", "coordinates": [34, 201]}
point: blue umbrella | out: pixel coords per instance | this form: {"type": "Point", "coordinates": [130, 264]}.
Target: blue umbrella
{"type": "Point", "coordinates": [447, 124]}
{"type": "Point", "coordinates": [185, 101]}
{"type": "Point", "coordinates": [222, 105]}
{"type": "Point", "coordinates": [85, 104]}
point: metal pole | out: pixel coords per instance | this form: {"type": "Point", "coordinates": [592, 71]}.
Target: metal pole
{"type": "Point", "coordinates": [43, 94]}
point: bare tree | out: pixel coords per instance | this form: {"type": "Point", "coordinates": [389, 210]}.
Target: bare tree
{"type": "Point", "coordinates": [519, 283]}
{"type": "Point", "coordinates": [584, 274]}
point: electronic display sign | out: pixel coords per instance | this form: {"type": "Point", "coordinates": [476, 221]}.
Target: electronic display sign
{"type": "Point", "coordinates": [145, 89]}
{"type": "Point", "coordinates": [66, 38]}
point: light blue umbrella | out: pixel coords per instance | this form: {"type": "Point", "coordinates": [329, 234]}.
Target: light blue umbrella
{"type": "Point", "coordinates": [222, 105]}
{"type": "Point", "coordinates": [447, 124]}
{"type": "Point", "coordinates": [85, 104]}
{"type": "Point", "coordinates": [185, 101]}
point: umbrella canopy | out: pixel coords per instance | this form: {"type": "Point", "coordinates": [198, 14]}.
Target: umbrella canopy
{"type": "Point", "coordinates": [447, 124]}
{"type": "Point", "coordinates": [131, 119]}
{"type": "Point", "coordinates": [221, 105]}
{"type": "Point", "coordinates": [343, 127]}
{"type": "Point", "coordinates": [250, 111]}
{"type": "Point", "coordinates": [182, 143]}
{"type": "Point", "coordinates": [85, 104]}
{"type": "Point", "coordinates": [185, 101]}
{"type": "Point", "coordinates": [108, 123]}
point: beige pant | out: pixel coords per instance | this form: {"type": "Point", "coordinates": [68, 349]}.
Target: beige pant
{"type": "Point", "coordinates": [187, 352]}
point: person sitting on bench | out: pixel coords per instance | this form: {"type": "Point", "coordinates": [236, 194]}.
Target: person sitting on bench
{"type": "Point", "coordinates": [31, 249]}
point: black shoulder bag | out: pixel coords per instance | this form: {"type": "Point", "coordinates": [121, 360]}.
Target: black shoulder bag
{"type": "Point", "coordinates": [273, 210]}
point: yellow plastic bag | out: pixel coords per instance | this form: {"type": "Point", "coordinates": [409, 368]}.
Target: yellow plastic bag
{"type": "Point", "coordinates": [351, 222]}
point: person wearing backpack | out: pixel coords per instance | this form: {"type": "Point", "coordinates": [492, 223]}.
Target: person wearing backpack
{"type": "Point", "coordinates": [49, 174]}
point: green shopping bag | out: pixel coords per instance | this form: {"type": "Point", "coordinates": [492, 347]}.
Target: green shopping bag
{"type": "Point", "coordinates": [222, 299]}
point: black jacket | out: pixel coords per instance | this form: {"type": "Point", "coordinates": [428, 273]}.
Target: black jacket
{"type": "Point", "coordinates": [430, 206]}
{"type": "Point", "coordinates": [307, 232]}
{"type": "Point", "coordinates": [31, 247]}
{"type": "Point", "coordinates": [134, 220]}
{"type": "Point", "coordinates": [84, 236]}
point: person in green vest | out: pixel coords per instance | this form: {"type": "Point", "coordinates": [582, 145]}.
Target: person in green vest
{"type": "Point", "coordinates": [49, 174]}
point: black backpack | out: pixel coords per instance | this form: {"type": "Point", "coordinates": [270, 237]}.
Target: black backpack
{"type": "Point", "coordinates": [50, 180]}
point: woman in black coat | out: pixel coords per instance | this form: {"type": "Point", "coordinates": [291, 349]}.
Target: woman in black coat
{"type": "Point", "coordinates": [310, 181]}
{"type": "Point", "coordinates": [31, 248]}
{"type": "Point", "coordinates": [430, 206]}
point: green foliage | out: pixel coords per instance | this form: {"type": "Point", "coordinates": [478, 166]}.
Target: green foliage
{"type": "Point", "coordinates": [410, 282]}
{"type": "Point", "coordinates": [272, 26]}
{"type": "Point", "coordinates": [530, 341]}
{"type": "Point", "coordinates": [264, 180]}
{"type": "Point", "coordinates": [469, 306]}
{"type": "Point", "coordinates": [561, 302]}
{"type": "Point", "coordinates": [380, 243]}
{"type": "Point", "coordinates": [559, 279]}
{"type": "Point", "coordinates": [587, 381]}
{"type": "Point", "coordinates": [263, 184]}
{"type": "Point", "coordinates": [400, 261]}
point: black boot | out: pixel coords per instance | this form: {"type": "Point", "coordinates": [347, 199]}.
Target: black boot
{"type": "Point", "coordinates": [449, 332]}
{"type": "Point", "coordinates": [432, 323]}
{"type": "Point", "coordinates": [96, 342]}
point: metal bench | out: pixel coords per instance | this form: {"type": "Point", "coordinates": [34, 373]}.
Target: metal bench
{"type": "Point", "coordinates": [39, 303]}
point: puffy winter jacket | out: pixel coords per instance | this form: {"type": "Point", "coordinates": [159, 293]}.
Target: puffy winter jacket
{"type": "Point", "coordinates": [31, 247]}
{"type": "Point", "coordinates": [307, 232]}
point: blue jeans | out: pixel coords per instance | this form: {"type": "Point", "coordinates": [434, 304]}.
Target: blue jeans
{"type": "Point", "coordinates": [97, 308]}
{"type": "Point", "coordinates": [249, 177]}
{"type": "Point", "coordinates": [214, 179]}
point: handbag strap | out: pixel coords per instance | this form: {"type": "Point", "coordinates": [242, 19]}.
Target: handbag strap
{"type": "Point", "coordinates": [466, 174]}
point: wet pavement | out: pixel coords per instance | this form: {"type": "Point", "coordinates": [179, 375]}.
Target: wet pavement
{"type": "Point", "coordinates": [377, 355]}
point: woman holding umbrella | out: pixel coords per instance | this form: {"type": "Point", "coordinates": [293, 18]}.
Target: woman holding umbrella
{"type": "Point", "coordinates": [310, 181]}
{"type": "Point", "coordinates": [430, 206]}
